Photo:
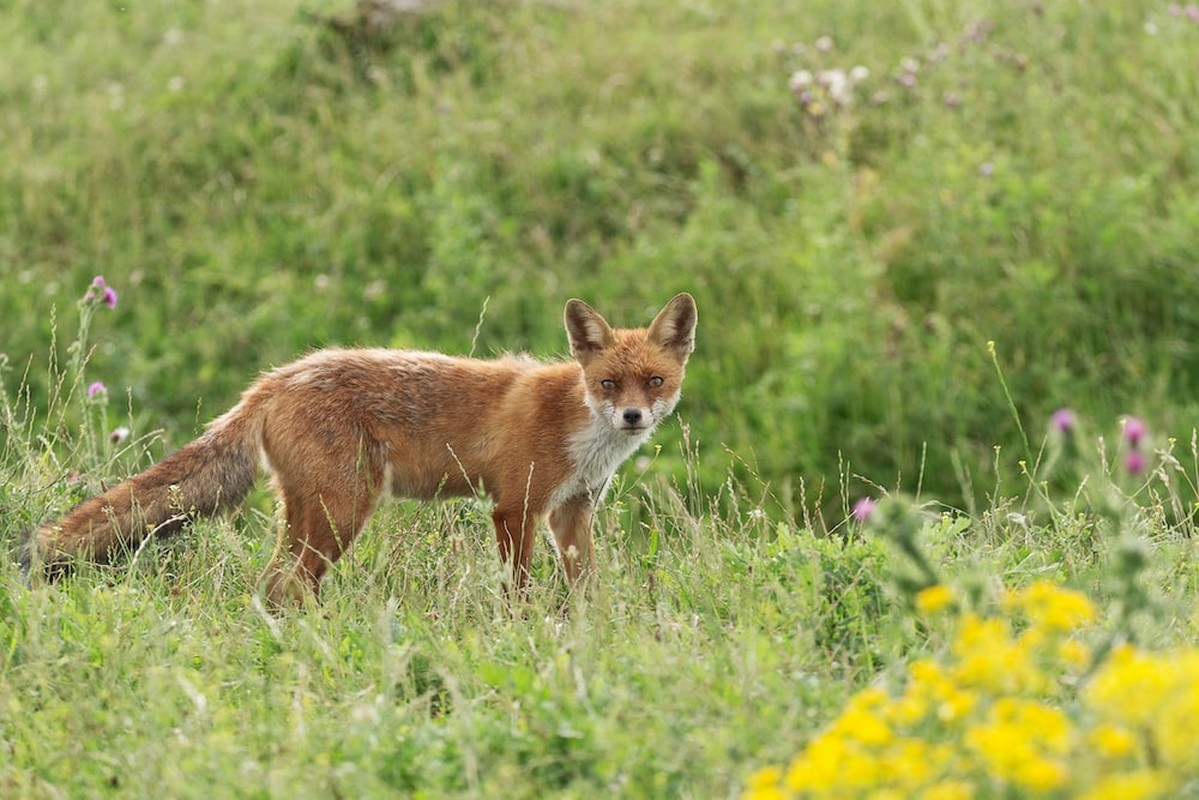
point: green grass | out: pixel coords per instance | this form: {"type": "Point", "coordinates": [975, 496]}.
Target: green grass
{"type": "Point", "coordinates": [257, 179]}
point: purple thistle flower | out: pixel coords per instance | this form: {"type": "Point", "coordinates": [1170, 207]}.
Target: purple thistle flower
{"type": "Point", "coordinates": [1063, 420]}
{"type": "Point", "coordinates": [863, 510]}
{"type": "Point", "coordinates": [110, 297]}
{"type": "Point", "coordinates": [96, 389]}
{"type": "Point", "coordinates": [98, 282]}
{"type": "Point", "coordinates": [1135, 462]}
{"type": "Point", "coordinates": [1135, 431]}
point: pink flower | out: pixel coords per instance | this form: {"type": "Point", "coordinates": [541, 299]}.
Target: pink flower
{"type": "Point", "coordinates": [96, 389]}
{"type": "Point", "coordinates": [1135, 462]}
{"type": "Point", "coordinates": [102, 291]}
{"type": "Point", "coordinates": [1063, 420]}
{"type": "Point", "coordinates": [863, 510]}
{"type": "Point", "coordinates": [1135, 431]}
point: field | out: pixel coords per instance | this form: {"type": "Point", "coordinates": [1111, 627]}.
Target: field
{"type": "Point", "coordinates": [914, 231]}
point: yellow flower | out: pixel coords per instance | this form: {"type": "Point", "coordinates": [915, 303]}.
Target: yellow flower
{"type": "Point", "coordinates": [934, 598]}
{"type": "Point", "coordinates": [862, 720]}
{"type": "Point", "coordinates": [1111, 741]}
{"type": "Point", "coordinates": [833, 765]}
{"type": "Point", "coordinates": [991, 660]}
{"type": "Point", "coordinates": [1018, 743]}
{"type": "Point", "coordinates": [1074, 654]}
{"type": "Point", "coordinates": [1131, 687]}
{"type": "Point", "coordinates": [931, 691]}
{"type": "Point", "coordinates": [1051, 607]}
{"type": "Point", "coordinates": [1041, 774]}
{"type": "Point", "coordinates": [1139, 785]}
{"type": "Point", "coordinates": [949, 790]}
{"type": "Point", "coordinates": [765, 785]}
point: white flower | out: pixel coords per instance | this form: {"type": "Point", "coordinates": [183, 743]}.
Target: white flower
{"type": "Point", "coordinates": [838, 87]}
{"type": "Point", "coordinates": [800, 80]}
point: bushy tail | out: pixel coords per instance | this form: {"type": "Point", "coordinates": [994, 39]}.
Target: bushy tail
{"type": "Point", "coordinates": [211, 474]}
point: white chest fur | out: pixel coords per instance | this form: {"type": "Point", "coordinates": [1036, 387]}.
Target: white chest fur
{"type": "Point", "coordinates": [597, 451]}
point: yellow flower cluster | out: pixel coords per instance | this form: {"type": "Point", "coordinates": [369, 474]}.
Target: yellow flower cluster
{"type": "Point", "coordinates": [1007, 711]}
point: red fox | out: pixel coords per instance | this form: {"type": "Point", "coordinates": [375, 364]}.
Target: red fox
{"type": "Point", "coordinates": [339, 428]}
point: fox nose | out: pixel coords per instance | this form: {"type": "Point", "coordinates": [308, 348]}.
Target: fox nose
{"type": "Point", "coordinates": [632, 416]}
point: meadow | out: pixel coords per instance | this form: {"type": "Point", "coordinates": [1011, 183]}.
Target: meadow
{"type": "Point", "coordinates": [914, 231]}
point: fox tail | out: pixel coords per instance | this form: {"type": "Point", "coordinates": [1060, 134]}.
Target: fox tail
{"type": "Point", "coordinates": [213, 473]}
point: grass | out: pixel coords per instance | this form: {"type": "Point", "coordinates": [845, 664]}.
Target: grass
{"type": "Point", "coordinates": [257, 179]}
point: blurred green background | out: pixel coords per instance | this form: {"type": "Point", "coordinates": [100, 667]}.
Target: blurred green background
{"type": "Point", "coordinates": [260, 178]}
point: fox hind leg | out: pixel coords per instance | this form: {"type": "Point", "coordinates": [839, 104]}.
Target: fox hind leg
{"type": "Point", "coordinates": [317, 530]}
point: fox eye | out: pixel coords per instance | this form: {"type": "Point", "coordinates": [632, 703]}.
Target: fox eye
{"type": "Point", "coordinates": [608, 384]}
{"type": "Point", "coordinates": [655, 382]}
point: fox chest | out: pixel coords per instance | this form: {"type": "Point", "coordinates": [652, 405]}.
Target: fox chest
{"type": "Point", "coordinates": [595, 453]}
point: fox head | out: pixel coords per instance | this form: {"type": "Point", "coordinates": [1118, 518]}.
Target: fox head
{"type": "Point", "coordinates": [632, 378]}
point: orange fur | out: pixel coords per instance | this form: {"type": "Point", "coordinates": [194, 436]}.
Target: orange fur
{"type": "Point", "coordinates": [337, 429]}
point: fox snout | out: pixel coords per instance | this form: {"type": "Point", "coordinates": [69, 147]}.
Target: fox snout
{"type": "Point", "coordinates": [634, 418]}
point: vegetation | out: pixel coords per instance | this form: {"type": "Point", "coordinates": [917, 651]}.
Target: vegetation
{"type": "Point", "coordinates": [913, 230]}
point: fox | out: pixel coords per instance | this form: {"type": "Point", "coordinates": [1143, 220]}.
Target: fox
{"type": "Point", "coordinates": [338, 429]}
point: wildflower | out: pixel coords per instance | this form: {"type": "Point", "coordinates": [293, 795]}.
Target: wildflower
{"type": "Point", "coordinates": [97, 389]}
{"type": "Point", "coordinates": [859, 74]}
{"type": "Point", "coordinates": [824, 44]}
{"type": "Point", "coordinates": [764, 785]}
{"type": "Point", "coordinates": [1051, 607]}
{"type": "Point", "coordinates": [1134, 431]}
{"type": "Point", "coordinates": [1111, 740]}
{"type": "Point", "coordinates": [863, 510]}
{"type": "Point", "coordinates": [1139, 785]}
{"type": "Point", "coordinates": [1073, 653]}
{"type": "Point", "coordinates": [986, 169]}
{"type": "Point", "coordinates": [1135, 462]}
{"type": "Point", "coordinates": [934, 598]}
{"type": "Point", "coordinates": [837, 85]}
{"type": "Point", "coordinates": [1063, 420]}
{"type": "Point", "coordinates": [800, 79]}
{"type": "Point", "coordinates": [101, 291]}
{"type": "Point", "coordinates": [1131, 688]}
{"type": "Point", "coordinates": [950, 790]}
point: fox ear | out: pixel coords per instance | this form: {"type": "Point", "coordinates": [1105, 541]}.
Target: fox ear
{"type": "Point", "coordinates": [588, 332]}
{"type": "Point", "coordinates": [674, 327]}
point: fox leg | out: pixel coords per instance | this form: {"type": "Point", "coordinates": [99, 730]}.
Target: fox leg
{"type": "Point", "coordinates": [515, 532]}
{"type": "Point", "coordinates": [319, 528]}
{"type": "Point", "coordinates": [571, 525]}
